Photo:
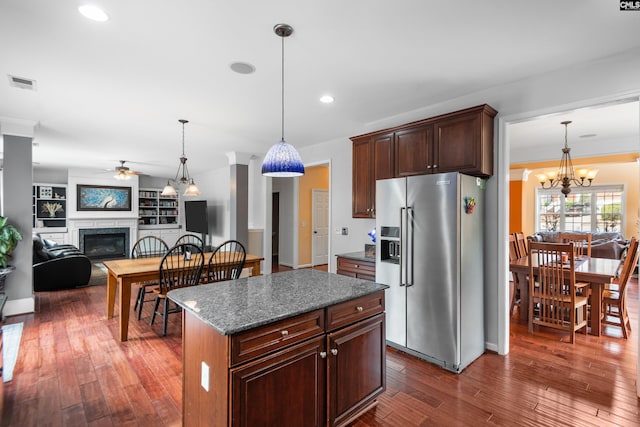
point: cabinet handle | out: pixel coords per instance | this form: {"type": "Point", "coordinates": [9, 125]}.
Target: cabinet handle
{"type": "Point", "coordinates": [435, 166]}
{"type": "Point", "coordinates": [428, 166]}
{"type": "Point", "coordinates": [284, 333]}
{"type": "Point", "coordinates": [359, 308]}
{"type": "Point", "coordinates": [356, 265]}
{"type": "Point", "coordinates": [323, 354]}
{"type": "Point", "coordinates": [334, 351]}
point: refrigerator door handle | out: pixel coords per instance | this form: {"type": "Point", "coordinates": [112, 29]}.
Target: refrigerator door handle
{"type": "Point", "coordinates": [403, 262]}
{"type": "Point", "coordinates": [409, 251]}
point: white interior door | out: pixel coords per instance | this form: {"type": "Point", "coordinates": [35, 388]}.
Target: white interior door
{"type": "Point", "coordinates": [319, 227]}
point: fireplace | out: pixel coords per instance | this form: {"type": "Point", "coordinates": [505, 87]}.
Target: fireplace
{"type": "Point", "coordinates": [104, 243]}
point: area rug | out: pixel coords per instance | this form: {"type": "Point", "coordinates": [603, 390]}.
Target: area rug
{"type": "Point", "coordinates": [11, 335]}
{"type": "Point", "coordinates": [98, 274]}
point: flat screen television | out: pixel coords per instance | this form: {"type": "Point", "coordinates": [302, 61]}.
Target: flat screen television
{"type": "Point", "coordinates": [195, 216]}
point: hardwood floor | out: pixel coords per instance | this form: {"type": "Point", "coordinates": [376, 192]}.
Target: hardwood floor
{"type": "Point", "coordinates": [72, 371]}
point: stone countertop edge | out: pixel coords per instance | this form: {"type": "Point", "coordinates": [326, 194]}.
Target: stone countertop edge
{"type": "Point", "coordinates": [239, 305]}
{"type": "Point", "coordinates": [359, 256]}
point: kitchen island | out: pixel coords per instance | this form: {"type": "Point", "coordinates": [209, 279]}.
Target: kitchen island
{"type": "Point", "coordinates": [298, 348]}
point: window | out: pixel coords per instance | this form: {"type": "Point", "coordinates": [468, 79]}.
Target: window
{"type": "Point", "coordinates": [596, 208]}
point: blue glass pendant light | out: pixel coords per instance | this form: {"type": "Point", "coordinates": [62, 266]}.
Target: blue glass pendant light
{"type": "Point", "coordinates": [282, 160]}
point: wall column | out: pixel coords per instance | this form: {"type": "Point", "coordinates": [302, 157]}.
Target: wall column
{"type": "Point", "coordinates": [17, 180]}
{"type": "Point", "coordinates": [239, 197]}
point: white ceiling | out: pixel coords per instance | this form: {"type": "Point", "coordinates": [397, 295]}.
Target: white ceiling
{"type": "Point", "coordinates": [115, 90]}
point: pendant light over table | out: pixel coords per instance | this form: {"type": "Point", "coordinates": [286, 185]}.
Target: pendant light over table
{"type": "Point", "coordinates": [192, 188]}
{"type": "Point", "coordinates": [566, 176]}
{"type": "Point", "coordinates": [282, 159]}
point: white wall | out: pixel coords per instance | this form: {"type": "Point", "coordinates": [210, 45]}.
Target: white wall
{"type": "Point", "coordinates": [214, 188]}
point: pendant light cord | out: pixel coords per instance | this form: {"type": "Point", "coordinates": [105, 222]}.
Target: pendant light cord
{"type": "Point", "coordinates": [282, 137]}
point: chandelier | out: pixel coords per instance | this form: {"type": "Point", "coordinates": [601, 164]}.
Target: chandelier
{"type": "Point", "coordinates": [566, 175]}
{"type": "Point", "coordinates": [282, 159]}
{"type": "Point", "coordinates": [192, 189]}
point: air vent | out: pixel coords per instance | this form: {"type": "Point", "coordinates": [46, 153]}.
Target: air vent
{"type": "Point", "coordinates": [22, 83]}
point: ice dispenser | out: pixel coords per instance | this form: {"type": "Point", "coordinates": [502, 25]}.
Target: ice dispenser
{"type": "Point", "coordinates": [390, 244]}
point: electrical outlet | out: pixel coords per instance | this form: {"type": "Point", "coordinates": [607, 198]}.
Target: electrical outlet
{"type": "Point", "coordinates": [204, 376]}
{"type": "Point", "coordinates": [345, 231]}
{"type": "Point", "coordinates": [338, 230]}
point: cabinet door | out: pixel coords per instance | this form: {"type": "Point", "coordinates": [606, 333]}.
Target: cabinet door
{"type": "Point", "coordinates": [284, 389]}
{"type": "Point", "coordinates": [413, 152]}
{"type": "Point", "coordinates": [383, 157]}
{"type": "Point", "coordinates": [170, 236]}
{"type": "Point", "coordinates": [356, 368]}
{"type": "Point", "coordinates": [458, 144]}
{"type": "Point", "coordinates": [362, 178]}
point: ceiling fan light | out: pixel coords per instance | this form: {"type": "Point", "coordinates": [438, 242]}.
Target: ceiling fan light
{"type": "Point", "coordinates": [282, 161]}
{"type": "Point", "coordinates": [122, 176]}
{"type": "Point", "coordinates": [169, 190]}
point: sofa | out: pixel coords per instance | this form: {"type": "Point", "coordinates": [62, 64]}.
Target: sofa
{"type": "Point", "coordinates": [603, 244]}
{"type": "Point", "coordinates": [58, 266]}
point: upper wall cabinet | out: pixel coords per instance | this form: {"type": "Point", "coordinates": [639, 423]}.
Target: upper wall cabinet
{"type": "Point", "coordinates": [456, 142]}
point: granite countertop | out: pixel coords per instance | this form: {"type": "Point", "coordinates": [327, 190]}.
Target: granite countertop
{"type": "Point", "coordinates": [238, 305]}
{"type": "Point", "coordinates": [359, 256]}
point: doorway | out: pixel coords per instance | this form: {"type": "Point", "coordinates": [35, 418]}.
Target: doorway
{"type": "Point", "coordinates": [319, 227]}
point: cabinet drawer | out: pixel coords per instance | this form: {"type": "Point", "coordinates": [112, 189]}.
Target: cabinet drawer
{"type": "Point", "coordinates": [265, 339]}
{"type": "Point", "coordinates": [349, 312]}
{"type": "Point", "coordinates": [358, 267]}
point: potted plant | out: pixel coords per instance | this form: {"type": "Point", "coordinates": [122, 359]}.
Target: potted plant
{"type": "Point", "coordinates": [9, 238]}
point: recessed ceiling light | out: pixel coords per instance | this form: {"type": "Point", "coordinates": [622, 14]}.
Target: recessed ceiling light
{"type": "Point", "coordinates": [242, 67]}
{"type": "Point", "coordinates": [326, 99]}
{"type": "Point", "coordinates": [93, 12]}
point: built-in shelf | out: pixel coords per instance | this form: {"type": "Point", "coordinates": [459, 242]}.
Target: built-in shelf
{"type": "Point", "coordinates": [49, 207]}
{"type": "Point", "coordinates": [156, 210]}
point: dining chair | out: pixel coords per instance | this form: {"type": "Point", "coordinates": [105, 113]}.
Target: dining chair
{"type": "Point", "coordinates": [177, 270]}
{"type": "Point", "coordinates": [147, 247]}
{"type": "Point", "coordinates": [192, 239]}
{"type": "Point", "coordinates": [617, 299]}
{"type": "Point", "coordinates": [521, 244]}
{"type": "Point", "coordinates": [554, 302]}
{"type": "Point", "coordinates": [515, 283]}
{"type": "Point", "coordinates": [226, 262]}
{"type": "Point", "coordinates": [581, 242]}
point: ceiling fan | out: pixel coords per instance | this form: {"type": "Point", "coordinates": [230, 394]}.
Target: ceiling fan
{"type": "Point", "coordinates": [123, 172]}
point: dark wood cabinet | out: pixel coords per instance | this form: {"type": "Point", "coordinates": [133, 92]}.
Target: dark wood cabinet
{"type": "Point", "coordinates": [414, 151]}
{"type": "Point", "coordinates": [284, 389]}
{"type": "Point", "coordinates": [464, 143]}
{"type": "Point", "coordinates": [362, 198]}
{"type": "Point", "coordinates": [320, 368]}
{"type": "Point", "coordinates": [356, 369]}
{"type": "Point", "coordinates": [372, 160]}
{"type": "Point", "coordinates": [461, 141]}
{"type": "Point", "coordinates": [360, 269]}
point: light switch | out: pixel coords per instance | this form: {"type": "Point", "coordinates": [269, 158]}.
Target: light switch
{"type": "Point", "coordinates": [204, 376]}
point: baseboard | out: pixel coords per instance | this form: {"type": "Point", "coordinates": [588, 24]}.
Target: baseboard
{"type": "Point", "coordinates": [305, 266]}
{"type": "Point", "coordinates": [19, 306]}
{"type": "Point", "coordinates": [491, 346]}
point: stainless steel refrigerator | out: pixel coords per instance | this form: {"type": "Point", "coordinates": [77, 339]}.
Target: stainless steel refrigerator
{"type": "Point", "coordinates": [429, 251]}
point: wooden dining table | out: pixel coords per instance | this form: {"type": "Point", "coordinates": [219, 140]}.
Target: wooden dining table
{"type": "Point", "coordinates": [121, 273]}
{"type": "Point", "coordinates": [598, 272]}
